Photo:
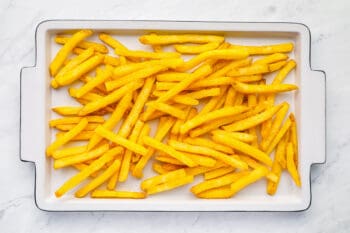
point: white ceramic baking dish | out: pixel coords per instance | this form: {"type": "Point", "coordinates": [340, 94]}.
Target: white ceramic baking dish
{"type": "Point", "coordinates": [308, 103]}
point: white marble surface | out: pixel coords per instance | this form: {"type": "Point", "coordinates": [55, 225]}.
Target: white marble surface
{"type": "Point", "coordinates": [329, 22]}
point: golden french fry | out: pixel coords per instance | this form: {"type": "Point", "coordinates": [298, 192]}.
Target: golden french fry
{"type": "Point", "coordinates": [231, 65]}
{"type": "Point", "coordinates": [210, 92]}
{"type": "Point", "coordinates": [253, 120]}
{"type": "Point", "coordinates": [249, 78]}
{"type": "Point", "coordinates": [168, 159]}
{"type": "Point", "coordinates": [201, 160]}
{"type": "Point", "coordinates": [82, 157]}
{"type": "Point", "coordinates": [172, 76]}
{"type": "Point", "coordinates": [92, 168]}
{"type": "Point", "coordinates": [170, 185]}
{"type": "Point", "coordinates": [116, 116]}
{"type": "Point", "coordinates": [125, 167]}
{"type": "Point", "coordinates": [77, 72]}
{"type": "Point", "coordinates": [154, 39]}
{"type": "Point", "coordinates": [272, 186]}
{"type": "Point", "coordinates": [254, 164]}
{"type": "Point", "coordinates": [169, 151]}
{"type": "Point", "coordinates": [273, 58]}
{"type": "Point", "coordinates": [173, 111]}
{"type": "Point", "coordinates": [291, 166]}
{"type": "Point", "coordinates": [294, 139]}
{"type": "Point", "coordinates": [263, 89]}
{"type": "Point", "coordinates": [158, 168]}
{"type": "Point", "coordinates": [277, 65]}
{"type": "Point", "coordinates": [246, 180]}
{"type": "Point", "coordinates": [285, 127]}
{"type": "Point", "coordinates": [221, 171]}
{"type": "Point", "coordinates": [213, 102]}
{"type": "Point", "coordinates": [227, 54]}
{"type": "Point", "coordinates": [109, 40]}
{"type": "Point", "coordinates": [266, 49]}
{"type": "Point", "coordinates": [82, 136]}
{"type": "Point", "coordinates": [67, 111]}
{"type": "Point", "coordinates": [83, 44]}
{"type": "Point", "coordinates": [156, 180]}
{"type": "Point", "coordinates": [137, 108]}
{"type": "Point", "coordinates": [69, 151]}
{"type": "Point", "coordinates": [243, 137]}
{"type": "Point", "coordinates": [75, 120]}
{"type": "Point", "coordinates": [63, 53]}
{"type": "Point", "coordinates": [223, 192]}
{"type": "Point", "coordinates": [208, 143]}
{"type": "Point", "coordinates": [249, 70]}
{"type": "Point", "coordinates": [146, 54]}
{"type": "Point", "coordinates": [82, 192]}
{"type": "Point", "coordinates": [117, 194]}
{"type": "Point", "coordinates": [230, 160]}
{"type": "Point", "coordinates": [66, 137]}
{"type": "Point", "coordinates": [110, 98]}
{"type": "Point", "coordinates": [217, 182]}
{"type": "Point", "coordinates": [195, 49]}
{"type": "Point", "coordinates": [102, 131]}
{"type": "Point", "coordinates": [140, 74]}
{"type": "Point", "coordinates": [243, 147]}
{"type": "Point", "coordinates": [230, 97]}
{"type": "Point", "coordinates": [89, 127]}
{"type": "Point", "coordinates": [110, 60]}
{"type": "Point", "coordinates": [276, 124]}
{"type": "Point", "coordinates": [200, 119]}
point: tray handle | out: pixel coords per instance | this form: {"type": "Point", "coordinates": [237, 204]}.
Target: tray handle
{"type": "Point", "coordinates": [30, 109]}
{"type": "Point", "coordinates": [317, 117]}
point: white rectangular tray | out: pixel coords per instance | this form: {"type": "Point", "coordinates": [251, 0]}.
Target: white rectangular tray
{"type": "Point", "coordinates": [308, 103]}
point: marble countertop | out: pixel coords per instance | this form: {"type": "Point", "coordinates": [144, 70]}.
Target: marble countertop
{"type": "Point", "coordinates": [330, 27]}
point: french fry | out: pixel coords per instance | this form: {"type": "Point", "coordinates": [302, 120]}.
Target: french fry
{"type": "Point", "coordinates": [158, 168]}
{"type": "Point", "coordinates": [230, 97]}
{"type": "Point", "coordinates": [221, 171]}
{"type": "Point", "coordinates": [223, 192]}
{"type": "Point", "coordinates": [201, 160]}
{"type": "Point", "coordinates": [75, 120]}
{"type": "Point", "coordinates": [208, 143]}
{"type": "Point", "coordinates": [109, 99]}
{"type": "Point", "coordinates": [253, 120]}
{"type": "Point", "coordinates": [77, 72]}
{"type": "Point", "coordinates": [168, 159]}
{"type": "Point", "coordinates": [63, 53]}
{"type": "Point", "coordinates": [277, 66]}
{"type": "Point", "coordinates": [67, 111]}
{"type": "Point", "coordinates": [89, 127]}
{"type": "Point", "coordinates": [285, 127]}
{"type": "Point", "coordinates": [117, 194]}
{"type": "Point", "coordinates": [246, 180]}
{"type": "Point", "coordinates": [137, 108]}
{"type": "Point", "coordinates": [272, 186]}
{"type": "Point", "coordinates": [154, 39]}
{"type": "Point", "coordinates": [95, 183]}
{"type": "Point", "coordinates": [243, 137]}
{"type": "Point", "coordinates": [249, 70]}
{"type": "Point", "coordinates": [227, 54]}
{"type": "Point", "coordinates": [156, 180]}
{"type": "Point", "coordinates": [231, 65]}
{"type": "Point", "coordinates": [243, 147]}
{"type": "Point", "coordinates": [263, 89]}
{"type": "Point", "coordinates": [210, 92]}
{"type": "Point", "coordinates": [172, 76]}
{"type": "Point", "coordinates": [266, 49]}
{"type": "Point", "coordinates": [125, 167]}
{"type": "Point", "coordinates": [66, 137]}
{"type": "Point", "coordinates": [254, 164]}
{"type": "Point", "coordinates": [69, 151]}
{"type": "Point", "coordinates": [230, 160]}
{"type": "Point", "coordinates": [276, 124]}
{"type": "Point", "coordinates": [116, 116]}
{"type": "Point", "coordinates": [109, 40]}
{"type": "Point", "coordinates": [294, 139]}
{"type": "Point", "coordinates": [102, 131]}
{"type": "Point", "coordinates": [195, 49]}
{"type": "Point", "coordinates": [169, 151]}
{"type": "Point", "coordinates": [213, 102]}
{"type": "Point", "coordinates": [198, 120]}
{"type": "Point", "coordinates": [217, 182]}
{"type": "Point", "coordinates": [146, 54]}
{"type": "Point", "coordinates": [92, 168]}
{"type": "Point", "coordinates": [83, 44]}
{"type": "Point", "coordinates": [249, 78]}
{"type": "Point", "coordinates": [291, 165]}
{"type": "Point", "coordinates": [80, 158]}
{"type": "Point", "coordinates": [273, 58]}
{"type": "Point", "coordinates": [170, 185]}
{"type": "Point", "coordinates": [110, 60]}
{"type": "Point", "coordinates": [173, 111]}
{"type": "Point", "coordinates": [140, 74]}
{"type": "Point", "coordinates": [82, 166]}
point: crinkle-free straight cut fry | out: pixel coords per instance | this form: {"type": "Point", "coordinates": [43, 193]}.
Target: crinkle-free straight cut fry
{"type": "Point", "coordinates": [213, 115]}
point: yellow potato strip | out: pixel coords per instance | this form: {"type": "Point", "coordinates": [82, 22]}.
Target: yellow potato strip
{"type": "Point", "coordinates": [69, 151]}
{"type": "Point", "coordinates": [250, 70]}
{"type": "Point", "coordinates": [110, 98]}
{"type": "Point", "coordinates": [134, 114]}
{"type": "Point", "coordinates": [276, 124]}
{"type": "Point", "coordinates": [208, 143]}
{"type": "Point", "coordinates": [63, 53]}
{"type": "Point", "coordinates": [218, 172]}
{"type": "Point", "coordinates": [121, 141]}
{"type": "Point", "coordinates": [89, 127]}
{"type": "Point", "coordinates": [66, 137]}
{"type": "Point", "coordinates": [77, 72]}
{"type": "Point", "coordinates": [213, 102]}
{"type": "Point", "coordinates": [243, 147]}
{"type": "Point", "coordinates": [200, 119]}
{"type": "Point", "coordinates": [253, 120]}
{"type": "Point", "coordinates": [266, 49]}
{"type": "Point", "coordinates": [156, 180]}
{"type": "Point", "coordinates": [232, 65]}
{"type": "Point", "coordinates": [243, 137]}
{"type": "Point", "coordinates": [230, 160]}
{"type": "Point", "coordinates": [294, 138]}
{"type": "Point", "coordinates": [263, 89]}
{"type": "Point", "coordinates": [291, 166]}
{"type": "Point", "coordinates": [210, 92]}
{"type": "Point", "coordinates": [195, 49]}
{"type": "Point", "coordinates": [85, 173]}
{"type": "Point", "coordinates": [217, 182]}
{"type": "Point", "coordinates": [169, 151]}
{"type": "Point", "coordinates": [217, 193]}
{"type": "Point", "coordinates": [227, 54]}
{"type": "Point", "coordinates": [154, 39]}
{"type": "Point", "coordinates": [172, 76]}
{"type": "Point", "coordinates": [67, 111]}
{"type": "Point", "coordinates": [272, 186]}
{"type": "Point", "coordinates": [117, 194]}
{"type": "Point", "coordinates": [277, 66]}
{"type": "Point", "coordinates": [83, 44]}
{"type": "Point", "coordinates": [140, 74]}
{"type": "Point", "coordinates": [99, 79]}
{"type": "Point", "coordinates": [254, 164]}
{"type": "Point", "coordinates": [95, 183]}
{"type": "Point", "coordinates": [173, 111]}
{"type": "Point", "coordinates": [170, 185]}
{"type": "Point", "coordinates": [75, 120]}
{"type": "Point", "coordinates": [79, 158]}
{"type": "Point", "coordinates": [285, 127]}
{"type": "Point", "coordinates": [275, 57]}
{"type": "Point", "coordinates": [201, 160]}
{"type": "Point", "coordinates": [116, 116]}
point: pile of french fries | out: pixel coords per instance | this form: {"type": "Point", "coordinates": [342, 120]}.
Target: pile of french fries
{"type": "Point", "coordinates": [215, 115]}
